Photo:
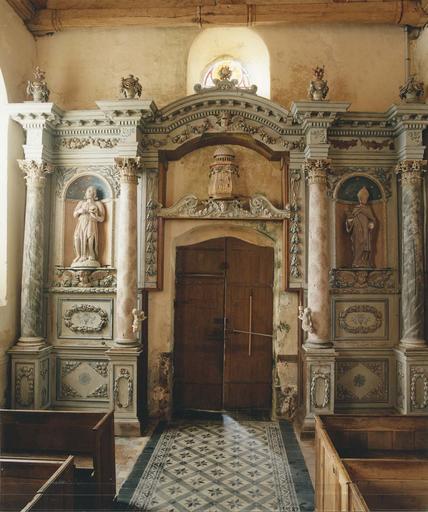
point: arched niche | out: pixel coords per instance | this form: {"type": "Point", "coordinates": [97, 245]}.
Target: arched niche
{"type": "Point", "coordinates": [75, 192]}
{"type": "Point", "coordinates": [346, 206]}
{"type": "Point", "coordinates": [240, 43]}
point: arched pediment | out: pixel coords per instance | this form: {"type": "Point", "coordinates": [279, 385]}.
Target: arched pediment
{"type": "Point", "coordinates": [219, 112]}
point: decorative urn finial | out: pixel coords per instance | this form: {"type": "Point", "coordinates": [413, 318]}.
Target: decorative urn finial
{"type": "Point", "coordinates": [318, 88]}
{"type": "Point", "coordinates": [38, 88]}
{"type": "Point", "coordinates": [130, 87]}
{"type": "Point", "coordinates": [223, 174]}
{"type": "Point", "coordinates": [412, 91]}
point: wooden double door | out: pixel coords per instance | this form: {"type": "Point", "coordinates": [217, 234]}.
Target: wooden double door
{"type": "Point", "coordinates": [223, 326]}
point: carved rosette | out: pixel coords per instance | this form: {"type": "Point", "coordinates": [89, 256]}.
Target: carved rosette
{"type": "Point", "coordinates": [34, 172]}
{"type": "Point", "coordinates": [128, 168]}
{"type": "Point", "coordinates": [411, 171]}
{"type": "Point", "coordinates": [316, 171]}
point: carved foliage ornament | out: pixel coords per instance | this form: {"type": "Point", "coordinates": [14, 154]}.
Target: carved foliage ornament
{"type": "Point", "coordinates": [258, 207]}
{"type": "Point", "coordinates": [411, 171]}
{"type": "Point", "coordinates": [316, 171]}
{"type": "Point", "coordinates": [89, 310]}
{"type": "Point", "coordinates": [128, 168]}
{"type": "Point", "coordinates": [356, 281]}
{"type": "Point", "coordinates": [225, 83]}
{"type": "Point", "coordinates": [67, 278]}
{"type": "Point", "coordinates": [294, 229]}
{"type": "Point", "coordinates": [34, 172]}
{"type": "Point", "coordinates": [318, 376]}
{"type": "Point", "coordinates": [37, 88]}
{"type": "Point", "coordinates": [83, 142]}
{"type": "Point", "coordinates": [365, 319]}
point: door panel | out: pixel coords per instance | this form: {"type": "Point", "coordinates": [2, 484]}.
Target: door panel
{"type": "Point", "coordinates": [199, 337]}
{"type": "Point", "coordinates": [248, 358]}
{"type": "Point", "coordinates": [205, 294]}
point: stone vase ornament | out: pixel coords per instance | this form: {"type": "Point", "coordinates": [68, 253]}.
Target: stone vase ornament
{"type": "Point", "coordinates": [318, 88]}
{"type": "Point", "coordinates": [38, 88]}
{"type": "Point", "coordinates": [130, 87]}
{"type": "Point", "coordinates": [412, 91]}
{"type": "Point", "coordinates": [223, 174]}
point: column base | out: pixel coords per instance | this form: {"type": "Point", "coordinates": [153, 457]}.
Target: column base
{"type": "Point", "coordinates": [412, 379]}
{"type": "Point", "coordinates": [412, 344]}
{"type": "Point", "coordinates": [31, 342]}
{"type": "Point", "coordinates": [318, 344]}
{"type": "Point", "coordinates": [30, 376]}
{"type": "Point", "coordinates": [126, 343]}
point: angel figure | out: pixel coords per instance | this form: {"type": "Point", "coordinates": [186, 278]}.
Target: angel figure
{"type": "Point", "coordinates": [139, 317]}
{"type": "Point", "coordinates": [306, 317]}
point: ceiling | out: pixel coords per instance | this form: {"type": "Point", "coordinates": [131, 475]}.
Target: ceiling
{"type": "Point", "coordinates": [48, 16]}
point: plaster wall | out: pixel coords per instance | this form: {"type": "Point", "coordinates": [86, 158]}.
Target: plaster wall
{"type": "Point", "coordinates": [17, 59]}
{"type": "Point", "coordinates": [420, 57]}
{"type": "Point", "coordinates": [364, 64]}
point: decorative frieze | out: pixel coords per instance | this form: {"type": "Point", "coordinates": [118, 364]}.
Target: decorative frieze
{"type": "Point", "coordinates": [83, 142]}
{"type": "Point", "coordinates": [66, 279]}
{"type": "Point", "coordinates": [362, 280]}
{"type": "Point", "coordinates": [258, 207]}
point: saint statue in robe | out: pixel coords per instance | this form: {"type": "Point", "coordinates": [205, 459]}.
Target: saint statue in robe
{"type": "Point", "coordinates": [89, 213]}
{"type": "Point", "coordinates": [360, 224]}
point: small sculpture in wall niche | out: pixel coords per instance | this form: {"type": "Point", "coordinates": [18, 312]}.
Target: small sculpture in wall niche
{"type": "Point", "coordinates": [305, 315]}
{"type": "Point", "coordinates": [360, 224]}
{"type": "Point", "coordinates": [130, 87]}
{"type": "Point", "coordinates": [223, 174]}
{"type": "Point", "coordinates": [139, 317]}
{"type": "Point", "coordinates": [38, 88]}
{"type": "Point", "coordinates": [318, 88]}
{"type": "Point", "coordinates": [89, 213]}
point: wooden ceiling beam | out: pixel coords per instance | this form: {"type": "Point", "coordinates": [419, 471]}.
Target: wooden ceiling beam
{"type": "Point", "coordinates": [213, 13]}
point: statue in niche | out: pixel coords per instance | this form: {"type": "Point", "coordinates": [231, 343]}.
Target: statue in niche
{"type": "Point", "coordinates": [89, 213]}
{"type": "Point", "coordinates": [360, 223]}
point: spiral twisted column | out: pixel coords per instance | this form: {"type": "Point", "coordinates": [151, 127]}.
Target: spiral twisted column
{"type": "Point", "coordinates": [32, 265]}
{"type": "Point", "coordinates": [412, 250]}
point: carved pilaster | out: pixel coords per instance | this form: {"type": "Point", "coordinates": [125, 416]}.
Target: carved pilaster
{"type": "Point", "coordinates": [32, 266]}
{"type": "Point", "coordinates": [412, 248]}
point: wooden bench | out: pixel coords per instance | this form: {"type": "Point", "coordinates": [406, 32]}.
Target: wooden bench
{"type": "Point", "coordinates": [33, 485]}
{"type": "Point", "coordinates": [362, 460]}
{"type": "Point", "coordinates": [88, 436]}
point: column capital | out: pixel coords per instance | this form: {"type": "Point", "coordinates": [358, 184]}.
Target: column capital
{"type": "Point", "coordinates": [316, 170]}
{"type": "Point", "coordinates": [35, 172]}
{"type": "Point", "coordinates": [128, 168]}
{"type": "Point", "coordinates": [411, 171]}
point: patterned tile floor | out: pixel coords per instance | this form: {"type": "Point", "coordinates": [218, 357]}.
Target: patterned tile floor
{"type": "Point", "coordinates": [208, 466]}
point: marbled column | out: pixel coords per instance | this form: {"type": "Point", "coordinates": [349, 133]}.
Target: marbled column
{"type": "Point", "coordinates": [318, 255]}
{"type": "Point", "coordinates": [126, 295]}
{"type": "Point", "coordinates": [412, 247]}
{"type": "Point", "coordinates": [32, 264]}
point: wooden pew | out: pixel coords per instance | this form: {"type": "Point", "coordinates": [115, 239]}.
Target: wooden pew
{"type": "Point", "coordinates": [362, 460]}
{"type": "Point", "coordinates": [88, 436]}
{"type": "Point", "coordinates": [33, 485]}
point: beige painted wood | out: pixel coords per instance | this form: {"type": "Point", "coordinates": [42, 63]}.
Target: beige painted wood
{"type": "Point", "coordinates": [68, 14]}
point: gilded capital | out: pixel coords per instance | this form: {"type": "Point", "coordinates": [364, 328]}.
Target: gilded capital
{"type": "Point", "coordinates": [128, 168]}
{"type": "Point", "coordinates": [411, 170]}
{"type": "Point", "coordinates": [316, 171]}
{"type": "Point", "coordinates": [35, 172]}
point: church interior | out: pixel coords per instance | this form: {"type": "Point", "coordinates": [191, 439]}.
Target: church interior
{"type": "Point", "coordinates": [213, 254]}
